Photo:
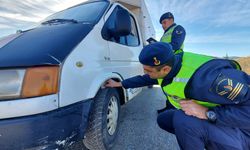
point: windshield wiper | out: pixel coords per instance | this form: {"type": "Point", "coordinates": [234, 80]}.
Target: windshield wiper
{"type": "Point", "coordinates": [59, 21]}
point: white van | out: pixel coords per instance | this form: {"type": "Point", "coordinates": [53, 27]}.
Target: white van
{"type": "Point", "coordinates": [52, 76]}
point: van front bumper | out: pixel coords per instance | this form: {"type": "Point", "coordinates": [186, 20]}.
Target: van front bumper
{"type": "Point", "coordinates": [55, 129]}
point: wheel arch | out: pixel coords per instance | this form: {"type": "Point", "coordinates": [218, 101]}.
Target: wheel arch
{"type": "Point", "coordinates": [99, 82]}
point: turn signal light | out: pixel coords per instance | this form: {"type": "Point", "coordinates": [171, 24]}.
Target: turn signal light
{"type": "Point", "coordinates": [40, 81]}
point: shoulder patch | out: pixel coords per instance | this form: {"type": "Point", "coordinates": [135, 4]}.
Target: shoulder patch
{"type": "Point", "coordinates": [229, 88]}
{"type": "Point", "coordinates": [179, 32]}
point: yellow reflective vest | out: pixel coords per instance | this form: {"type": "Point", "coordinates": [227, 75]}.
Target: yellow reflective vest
{"type": "Point", "coordinates": [167, 37]}
{"type": "Point", "coordinates": [175, 90]}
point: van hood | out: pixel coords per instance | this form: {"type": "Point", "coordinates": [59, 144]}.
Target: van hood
{"type": "Point", "coordinates": [44, 45]}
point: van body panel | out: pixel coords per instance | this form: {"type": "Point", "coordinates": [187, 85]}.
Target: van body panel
{"type": "Point", "coordinates": [28, 106]}
{"type": "Point", "coordinates": [55, 129]}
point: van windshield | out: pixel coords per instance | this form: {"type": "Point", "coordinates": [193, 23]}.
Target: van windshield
{"type": "Point", "coordinates": [86, 12]}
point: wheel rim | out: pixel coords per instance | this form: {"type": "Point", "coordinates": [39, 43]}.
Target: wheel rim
{"type": "Point", "coordinates": [112, 115]}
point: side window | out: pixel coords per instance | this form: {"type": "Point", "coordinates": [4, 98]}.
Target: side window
{"type": "Point", "coordinates": [108, 26]}
{"type": "Point", "coordinates": [131, 40]}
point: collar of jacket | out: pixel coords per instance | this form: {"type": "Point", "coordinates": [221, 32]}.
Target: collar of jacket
{"type": "Point", "coordinates": [169, 27]}
{"type": "Point", "coordinates": [174, 71]}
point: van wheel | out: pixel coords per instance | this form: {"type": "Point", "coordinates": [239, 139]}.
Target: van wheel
{"type": "Point", "coordinates": [104, 120]}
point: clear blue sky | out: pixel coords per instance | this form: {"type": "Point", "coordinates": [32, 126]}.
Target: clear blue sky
{"type": "Point", "coordinates": [213, 27]}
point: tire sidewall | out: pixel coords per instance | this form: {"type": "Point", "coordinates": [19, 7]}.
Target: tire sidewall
{"type": "Point", "coordinates": [108, 139]}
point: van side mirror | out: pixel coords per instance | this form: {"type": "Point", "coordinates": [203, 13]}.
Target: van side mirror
{"type": "Point", "coordinates": [122, 24]}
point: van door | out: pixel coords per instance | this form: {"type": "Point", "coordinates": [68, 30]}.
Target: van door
{"type": "Point", "coordinates": [123, 48]}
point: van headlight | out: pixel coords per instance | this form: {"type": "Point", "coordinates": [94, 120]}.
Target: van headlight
{"type": "Point", "coordinates": [11, 83]}
{"type": "Point", "coordinates": [31, 82]}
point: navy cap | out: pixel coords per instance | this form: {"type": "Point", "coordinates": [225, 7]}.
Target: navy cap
{"type": "Point", "coordinates": [156, 54]}
{"type": "Point", "coordinates": [167, 15]}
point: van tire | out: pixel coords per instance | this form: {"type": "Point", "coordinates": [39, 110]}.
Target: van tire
{"type": "Point", "coordinates": [98, 136]}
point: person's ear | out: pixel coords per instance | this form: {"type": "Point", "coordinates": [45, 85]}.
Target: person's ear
{"type": "Point", "coordinates": [166, 69]}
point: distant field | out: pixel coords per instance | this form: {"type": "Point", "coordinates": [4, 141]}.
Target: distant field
{"type": "Point", "coordinates": [245, 63]}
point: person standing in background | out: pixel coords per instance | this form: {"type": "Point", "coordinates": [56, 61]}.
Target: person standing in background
{"type": "Point", "coordinates": [174, 35]}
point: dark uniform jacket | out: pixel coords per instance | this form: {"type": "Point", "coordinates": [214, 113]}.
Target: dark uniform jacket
{"type": "Point", "coordinates": [178, 36]}
{"type": "Point", "coordinates": [216, 81]}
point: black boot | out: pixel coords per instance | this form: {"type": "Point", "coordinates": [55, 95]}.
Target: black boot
{"type": "Point", "coordinates": [150, 86]}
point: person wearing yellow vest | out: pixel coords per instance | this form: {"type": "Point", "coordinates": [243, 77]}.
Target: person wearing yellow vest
{"type": "Point", "coordinates": [173, 34]}
{"type": "Point", "coordinates": [211, 97]}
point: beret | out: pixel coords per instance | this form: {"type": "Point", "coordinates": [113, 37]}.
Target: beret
{"type": "Point", "coordinates": [167, 15]}
{"type": "Point", "coordinates": [156, 54]}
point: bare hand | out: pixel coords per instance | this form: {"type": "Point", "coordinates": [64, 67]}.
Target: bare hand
{"type": "Point", "coordinates": [112, 83]}
{"type": "Point", "coordinates": [193, 109]}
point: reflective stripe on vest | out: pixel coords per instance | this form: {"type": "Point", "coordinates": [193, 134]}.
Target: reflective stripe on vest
{"type": "Point", "coordinates": [167, 37]}
{"type": "Point", "coordinates": [184, 80]}
{"type": "Point", "coordinates": [176, 90]}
